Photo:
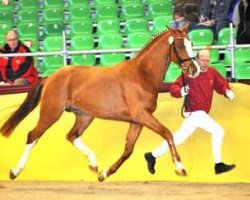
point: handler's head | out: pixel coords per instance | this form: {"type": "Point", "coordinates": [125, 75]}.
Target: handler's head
{"type": "Point", "coordinates": [12, 39]}
{"type": "Point", "coordinates": [203, 58]}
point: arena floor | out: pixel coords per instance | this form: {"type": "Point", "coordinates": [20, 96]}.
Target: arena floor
{"type": "Point", "coordinates": [26, 190]}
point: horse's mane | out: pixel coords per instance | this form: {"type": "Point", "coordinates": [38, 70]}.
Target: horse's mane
{"type": "Point", "coordinates": [152, 41]}
{"type": "Point", "coordinates": [155, 39]}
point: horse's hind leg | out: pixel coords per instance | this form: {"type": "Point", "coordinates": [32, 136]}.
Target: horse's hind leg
{"type": "Point", "coordinates": [152, 123]}
{"type": "Point", "coordinates": [15, 171]}
{"type": "Point", "coordinates": [46, 120]}
{"type": "Point", "coordinates": [82, 122]}
{"type": "Point", "coordinates": [133, 133]}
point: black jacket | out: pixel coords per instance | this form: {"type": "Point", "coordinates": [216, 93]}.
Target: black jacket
{"type": "Point", "coordinates": [243, 33]}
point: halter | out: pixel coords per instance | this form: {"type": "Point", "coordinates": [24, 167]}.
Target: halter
{"type": "Point", "coordinates": [180, 61]}
{"type": "Point", "coordinates": [186, 99]}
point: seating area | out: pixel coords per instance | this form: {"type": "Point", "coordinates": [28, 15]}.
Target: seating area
{"type": "Point", "coordinates": [103, 24]}
{"type": "Point", "coordinates": [97, 24]}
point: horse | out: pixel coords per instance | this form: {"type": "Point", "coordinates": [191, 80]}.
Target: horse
{"type": "Point", "coordinates": [126, 92]}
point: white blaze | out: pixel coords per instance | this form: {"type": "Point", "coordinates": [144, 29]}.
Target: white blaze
{"type": "Point", "coordinates": [190, 53]}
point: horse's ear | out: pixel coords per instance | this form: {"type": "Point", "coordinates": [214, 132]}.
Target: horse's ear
{"type": "Point", "coordinates": [185, 27]}
{"type": "Point", "coordinates": [168, 28]}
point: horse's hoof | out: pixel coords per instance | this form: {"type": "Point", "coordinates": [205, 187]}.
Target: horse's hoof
{"type": "Point", "coordinates": [101, 177]}
{"type": "Point", "coordinates": [181, 172]}
{"type": "Point", "coordinates": [93, 168]}
{"type": "Point", "coordinates": [12, 175]}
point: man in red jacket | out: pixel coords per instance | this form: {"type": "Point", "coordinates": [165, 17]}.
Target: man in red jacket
{"type": "Point", "coordinates": [17, 70]}
{"type": "Point", "coordinates": [199, 92]}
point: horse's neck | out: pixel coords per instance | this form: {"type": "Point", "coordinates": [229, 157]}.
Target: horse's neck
{"type": "Point", "coordinates": [155, 62]}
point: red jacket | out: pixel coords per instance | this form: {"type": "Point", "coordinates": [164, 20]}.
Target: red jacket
{"type": "Point", "coordinates": [12, 68]}
{"type": "Point", "coordinates": [201, 89]}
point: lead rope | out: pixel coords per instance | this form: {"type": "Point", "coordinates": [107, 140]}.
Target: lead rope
{"type": "Point", "coordinates": [186, 100]}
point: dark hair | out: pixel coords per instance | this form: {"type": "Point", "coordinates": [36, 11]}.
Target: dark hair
{"type": "Point", "coordinates": [178, 10]}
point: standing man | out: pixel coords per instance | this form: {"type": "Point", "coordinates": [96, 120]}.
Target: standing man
{"type": "Point", "coordinates": [243, 26]}
{"type": "Point", "coordinates": [17, 70]}
{"type": "Point", "coordinates": [199, 92]}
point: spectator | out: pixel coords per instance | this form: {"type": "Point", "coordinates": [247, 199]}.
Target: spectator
{"type": "Point", "coordinates": [242, 13]}
{"type": "Point", "coordinates": [214, 14]}
{"type": "Point", "coordinates": [232, 9]}
{"type": "Point", "coordinates": [199, 92]}
{"type": "Point", "coordinates": [184, 2]}
{"type": "Point", "coordinates": [187, 12]}
{"type": "Point", "coordinates": [17, 70]}
{"type": "Point", "coordinates": [191, 12]}
{"type": "Point", "coordinates": [179, 19]}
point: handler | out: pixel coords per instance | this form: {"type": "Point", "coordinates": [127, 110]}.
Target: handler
{"type": "Point", "coordinates": [199, 92]}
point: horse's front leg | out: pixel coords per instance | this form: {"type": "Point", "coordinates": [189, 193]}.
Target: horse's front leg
{"type": "Point", "coordinates": [132, 135]}
{"type": "Point", "coordinates": [152, 123]}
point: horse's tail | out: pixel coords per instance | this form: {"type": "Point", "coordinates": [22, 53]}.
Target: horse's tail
{"type": "Point", "coordinates": [24, 109]}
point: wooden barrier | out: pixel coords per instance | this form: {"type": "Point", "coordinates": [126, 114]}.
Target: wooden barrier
{"type": "Point", "coordinates": [54, 158]}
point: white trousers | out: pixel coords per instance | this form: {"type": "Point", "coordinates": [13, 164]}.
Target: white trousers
{"type": "Point", "coordinates": [197, 119]}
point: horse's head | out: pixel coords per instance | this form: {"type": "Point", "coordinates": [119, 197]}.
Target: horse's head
{"type": "Point", "coordinates": [181, 51]}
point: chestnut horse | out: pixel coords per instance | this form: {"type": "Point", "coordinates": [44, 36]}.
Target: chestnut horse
{"type": "Point", "coordinates": [125, 92]}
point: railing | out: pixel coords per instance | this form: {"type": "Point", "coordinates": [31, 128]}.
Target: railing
{"type": "Point", "coordinates": [66, 52]}
{"type": "Point", "coordinates": [232, 46]}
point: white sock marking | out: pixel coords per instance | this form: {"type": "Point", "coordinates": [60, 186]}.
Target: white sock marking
{"type": "Point", "coordinates": [78, 143]}
{"type": "Point", "coordinates": [22, 162]}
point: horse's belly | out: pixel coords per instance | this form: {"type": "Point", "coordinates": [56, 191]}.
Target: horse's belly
{"type": "Point", "coordinates": [108, 108]}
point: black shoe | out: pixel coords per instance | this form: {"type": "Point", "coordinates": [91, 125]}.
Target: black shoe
{"type": "Point", "coordinates": [151, 162]}
{"type": "Point", "coordinates": [222, 167]}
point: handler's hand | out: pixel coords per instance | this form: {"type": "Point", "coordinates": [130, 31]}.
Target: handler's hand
{"type": "Point", "coordinates": [230, 94]}
{"type": "Point", "coordinates": [184, 90]}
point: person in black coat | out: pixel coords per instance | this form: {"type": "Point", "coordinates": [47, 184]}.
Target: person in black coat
{"type": "Point", "coordinates": [243, 32]}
